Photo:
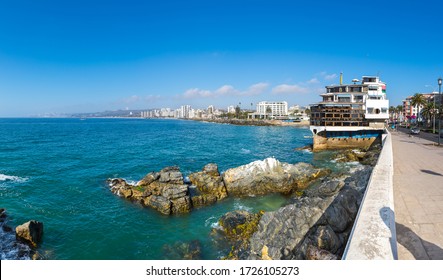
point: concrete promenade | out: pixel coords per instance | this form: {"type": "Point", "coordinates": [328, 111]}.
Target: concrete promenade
{"type": "Point", "coordinates": [418, 197]}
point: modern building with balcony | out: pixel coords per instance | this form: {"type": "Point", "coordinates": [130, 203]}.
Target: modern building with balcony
{"type": "Point", "coordinates": [270, 110]}
{"type": "Point", "coordinates": [350, 115]}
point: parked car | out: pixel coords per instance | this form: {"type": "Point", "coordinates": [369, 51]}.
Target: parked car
{"type": "Point", "coordinates": [415, 130]}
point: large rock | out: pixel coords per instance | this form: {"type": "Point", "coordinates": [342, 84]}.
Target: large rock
{"type": "Point", "coordinates": [181, 205]}
{"type": "Point", "coordinates": [203, 200]}
{"type": "Point", "coordinates": [174, 191]}
{"type": "Point", "coordinates": [149, 178]}
{"type": "Point", "coordinates": [120, 187]}
{"type": "Point", "coordinates": [159, 203]}
{"type": "Point", "coordinates": [235, 223]}
{"type": "Point", "coordinates": [30, 232]}
{"type": "Point", "coordinates": [269, 176]}
{"type": "Point", "coordinates": [238, 227]}
{"type": "Point", "coordinates": [164, 191]}
{"type": "Point", "coordinates": [171, 175]}
{"type": "Point", "coordinates": [209, 183]}
{"type": "Point", "coordinates": [320, 220]}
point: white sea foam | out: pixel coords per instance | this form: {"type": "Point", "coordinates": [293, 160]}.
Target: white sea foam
{"type": "Point", "coordinates": [239, 206]}
{"type": "Point", "coordinates": [4, 177]}
{"type": "Point", "coordinates": [245, 151]}
{"type": "Point", "coordinates": [11, 249]}
{"type": "Point", "coordinates": [131, 182]}
{"type": "Point", "coordinates": [212, 222]}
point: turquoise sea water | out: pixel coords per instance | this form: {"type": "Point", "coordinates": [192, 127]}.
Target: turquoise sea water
{"type": "Point", "coordinates": [55, 171]}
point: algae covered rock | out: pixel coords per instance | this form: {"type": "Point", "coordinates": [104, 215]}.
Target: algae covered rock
{"type": "Point", "coordinates": [238, 227]}
{"type": "Point", "coordinates": [183, 250]}
{"type": "Point", "coordinates": [209, 182]}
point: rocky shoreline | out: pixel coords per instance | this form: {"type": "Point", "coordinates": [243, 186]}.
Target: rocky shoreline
{"type": "Point", "coordinates": [314, 224]}
{"type": "Point", "coordinates": [254, 122]}
{"type": "Point", "coordinates": [22, 244]}
{"type": "Point", "coordinates": [167, 192]}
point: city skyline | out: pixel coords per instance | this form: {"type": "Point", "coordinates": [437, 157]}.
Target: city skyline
{"type": "Point", "coordinates": [92, 56]}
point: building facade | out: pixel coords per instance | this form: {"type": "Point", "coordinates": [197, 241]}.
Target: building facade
{"type": "Point", "coordinates": [354, 113]}
{"type": "Point", "coordinates": [414, 112]}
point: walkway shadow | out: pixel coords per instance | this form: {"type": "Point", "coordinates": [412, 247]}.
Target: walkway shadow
{"type": "Point", "coordinates": [430, 172]}
{"type": "Point", "coordinates": [419, 248]}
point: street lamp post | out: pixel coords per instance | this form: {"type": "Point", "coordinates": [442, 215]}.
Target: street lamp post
{"type": "Point", "coordinates": [440, 107]}
{"type": "Point", "coordinates": [433, 110]}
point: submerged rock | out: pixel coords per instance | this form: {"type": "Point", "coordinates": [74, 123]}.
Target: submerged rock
{"type": "Point", "coordinates": [269, 176]}
{"type": "Point", "coordinates": [183, 250]}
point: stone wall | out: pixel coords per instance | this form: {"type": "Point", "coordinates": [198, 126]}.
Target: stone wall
{"type": "Point", "coordinates": [322, 143]}
{"type": "Point", "coordinates": [373, 236]}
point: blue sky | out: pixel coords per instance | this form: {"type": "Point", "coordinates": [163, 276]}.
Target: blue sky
{"type": "Point", "coordinates": [87, 56]}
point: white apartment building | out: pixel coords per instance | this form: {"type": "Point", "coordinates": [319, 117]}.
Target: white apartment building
{"type": "Point", "coordinates": [279, 108]}
{"type": "Point", "coordinates": [185, 111]}
{"type": "Point", "coordinates": [211, 109]}
{"type": "Point", "coordinates": [272, 110]}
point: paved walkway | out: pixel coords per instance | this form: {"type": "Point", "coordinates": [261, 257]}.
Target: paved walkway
{"type": "Point", "coordinates": [418, 197]}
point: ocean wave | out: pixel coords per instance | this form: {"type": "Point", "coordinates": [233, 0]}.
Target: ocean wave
{"type": "Point", "coordinates": [245, 151]}
{"type": "Point", "coordinates": [17, 179]}
{"type": "Point", "coordinates": [11, 249]}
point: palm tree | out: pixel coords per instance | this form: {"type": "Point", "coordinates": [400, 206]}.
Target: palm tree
{"type": "Point", "coordinates": [392, 111]}
{"type": "Point", "coordinates": [399, 111]}
{"type": "Point", "coordinates": [268, 110]}
{"type": "Point", "coordinates": [428, 111]}
{"type": "Point", "coordinates": [418, 100]}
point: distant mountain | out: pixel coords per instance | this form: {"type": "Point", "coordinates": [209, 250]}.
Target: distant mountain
{"type": "Point", "coordinates": [109, 114]}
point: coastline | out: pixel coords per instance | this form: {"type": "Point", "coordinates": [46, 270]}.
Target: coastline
{"type": "Point", "coordinates": [248, 122]}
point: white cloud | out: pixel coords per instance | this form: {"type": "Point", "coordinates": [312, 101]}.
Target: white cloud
{"type": "Point", "coordinates": [313, 81]}
{"type": "Point", "coordinates": [152, 98]}
{"type": "Point", "coordinates": [141, 99]}
{"type": "Point", "coordinates": [224, 91]}
{"type": "Point", "coordinates": [289, 89]}
{"type": "Point", "coordinates": [256, 89]}
{"type": "Point", "coordinates": [196, 93]}
{"type": "Point", "coordinates": [330, 77]}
